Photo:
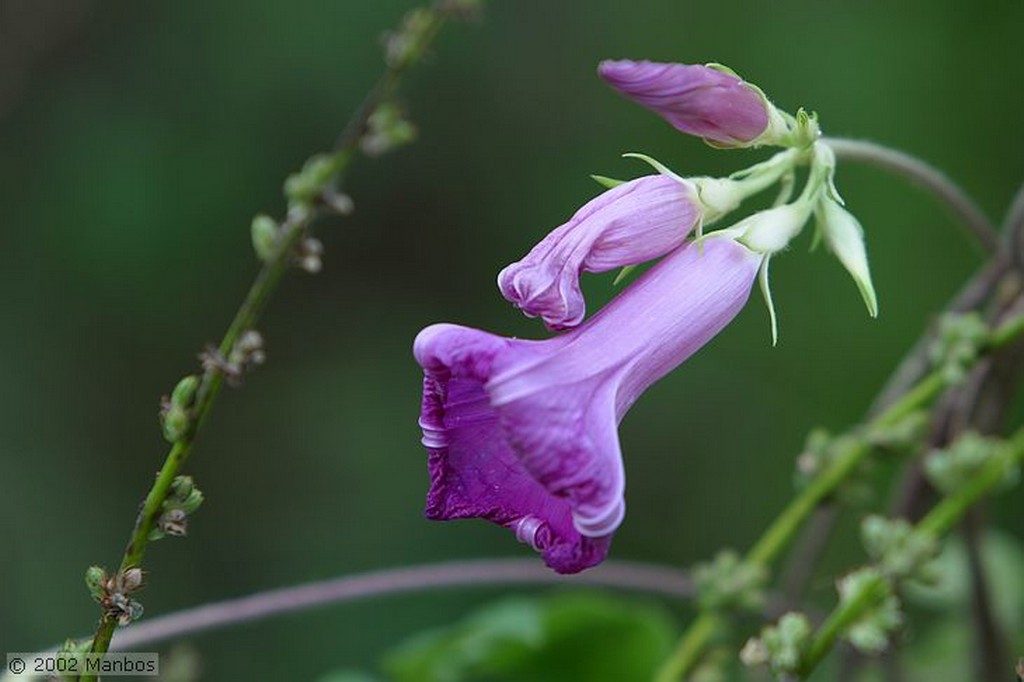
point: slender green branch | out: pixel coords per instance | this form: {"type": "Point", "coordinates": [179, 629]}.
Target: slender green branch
{"type": "Point", "coordinates": [927, 177]}
{"type": "Point", "coordinates": [936, 523]}
{"type": "Point", "coordinates": [840, 619]}
{"type": "Point", "coordinates": [852, 452]}
{"type": "Point", "coordinates": [292, 231]}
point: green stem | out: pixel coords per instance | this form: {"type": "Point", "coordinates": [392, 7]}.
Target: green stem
{"type": "Point", "coordinates": [264, 285]}
{"type": "Point", "coordinates": [852, 450]}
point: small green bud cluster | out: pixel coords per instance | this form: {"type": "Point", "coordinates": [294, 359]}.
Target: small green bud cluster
{"type": "Point", "coordinates": [957, 345]}
{"type": "Point", "coordinates": [308, 255]}
{"type": "Point", "coordinates": [951, 468]}
{"type": "Point", "coordinates": [246, 354]}
{"type": "Point", "coordinates": [728, 582]}
{"type": "Point", "coordinates": [386, 129]}
{"type": "Point", "coordinates": [781, 646]}
{"type": "Point", "coordinates": [74, 649]}
{"type": "Point", "coordinates": [902, 436]}
{"type": "Point", "coordinates": [176, 411]}
{"type": "Point", "coordinates": [183, 499]}
{"type": "Point", "coordinates": [820, 451]}
{"type": "Point", "coordinates": [304, 188]}
{"type": "Point", "coordinates": [113, 593]}
{"type": "Point", "coordinates": [265, 233]}
{"type": "Point", "coordinates": [870, 632]}
{"type": "Point", "coordinates": [405, 45]}
{"type": "Point", "coordinates": [899, 551]}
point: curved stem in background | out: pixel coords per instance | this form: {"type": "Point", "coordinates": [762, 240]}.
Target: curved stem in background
{"type": "Point", "coordinates": [1013, 229]}
{"type": "Point", "coordinates": [624, 575]}
{"type": "Point", "coordinates": [927, 177]}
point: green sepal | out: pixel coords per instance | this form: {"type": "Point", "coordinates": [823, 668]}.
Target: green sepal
{"type": "Point", "coordinates": [653, 163]}
{"type": "Point", "coordinates": [845, 238]}
{"type": "Point", "coordinates": [766, 292]}
{"type": "Point", "coordinates": [95, 582]}
{"type": "Point", "coordinates": [623, 274]}
{"type": "Point", "coordinates": [606, 182]}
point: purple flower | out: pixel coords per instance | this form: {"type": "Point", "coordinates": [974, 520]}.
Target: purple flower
{"type": "Point", "coordinates": [637, 221]}
{"type": "Point", "coordinates": [524, 433]}
{"type": "Point", "coordinates": [698, 100]}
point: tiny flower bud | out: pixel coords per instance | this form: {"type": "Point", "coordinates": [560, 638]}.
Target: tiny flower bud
{"type": "Point", "coordinates": [192, 502]}
{"type": "Point", "coordinates": [780, 646]}
{"type": "Point", "coordinates": [308, 255]}
{"type": "Point", "coordinates": [405, 45]}
{"type": "Point", "coordinates": [897, 549]}
{"type": "Point", "coordinates": [95, 581]}
{"type": "Point", "coordinates": [176, 423]}
{"type": "Point", "coordinates": [265, 233]}
{"type": "Point", "coordinates": [185, 391]}
{"type": "Point", "coordinates": [729, 582]}
{"type": "Point", "coordinates": [957, 344]}
{"type": "Point", "coordinates": [870, 632]}
{"type": "Point", "coordinates": [706, 101]}
{"type": "Point", "coordinates": [304, 187]}
{"type": "Point", "coordinates": [181, 487]}
{"type": "Point", "coordinates": [340, 202]}
{"type": "Point", "coordinates": [386, 129]}
{"type": "Point", "coordinates": [173, 522]}
{"type": "Point", "coordinates": [131, 580]}
{"type": "Point", "coordinates": [951, 468]}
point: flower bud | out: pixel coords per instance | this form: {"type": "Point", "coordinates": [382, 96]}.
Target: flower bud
{"type": "Point", "coordinates": [706, 101]}
{"type": "Point", "coordinates": [185, 391]}
{"type": "Point", "coordinates": [634, 222]}
{"type": "Point", "coordinates": [176, 423]}
{"type": "Point", "coordinates": [95, 581]}
{"type": "Point", "coordinates": [264, 231]}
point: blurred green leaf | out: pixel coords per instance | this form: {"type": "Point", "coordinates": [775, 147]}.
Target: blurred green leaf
{"type": "Point", "coordinates": [565, 637]}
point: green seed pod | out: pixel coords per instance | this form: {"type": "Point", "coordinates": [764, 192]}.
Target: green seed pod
{"type": "Point", "coordinates": [265, 233]}
{"type": "Point", "coordinates": [185, 391]}
{"type": "Point", "coordinates": [95, 580]}
{"type": "Point", "coordinates": [176, 423]}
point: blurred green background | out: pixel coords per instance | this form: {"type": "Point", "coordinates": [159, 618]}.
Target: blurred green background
{"type": "Point", "coordinates": [138, 139]}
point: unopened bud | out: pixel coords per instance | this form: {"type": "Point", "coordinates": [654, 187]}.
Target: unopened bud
{"type": "Point", "coordinates": [131, 580]}
{"type": "Point", "coordinates": [176, 423]}
{"type": "Point", "coordinates": [185, 391]}
{"type": "Point", "coordinates": [96, 581]}
{"type": "Point", "coordinates": [265, 232]}
{"type": "Point", "coordinates": [173, 522]}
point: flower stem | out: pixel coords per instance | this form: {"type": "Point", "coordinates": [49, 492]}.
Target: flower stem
{"type": "Point", "coordinates": [292, 229]}
{"type": "Point", "coordinates": [853, 451]}
{"type": "Point", "coordinates": [927, 177]}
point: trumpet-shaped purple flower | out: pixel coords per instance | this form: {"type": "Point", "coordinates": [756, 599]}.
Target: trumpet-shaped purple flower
{"type": "Point", "coordinates": [524, 433]}
{"type": "Point", "coordinates": [635, 222]}
{"type": "Point", "coordinates": [698, 100]}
